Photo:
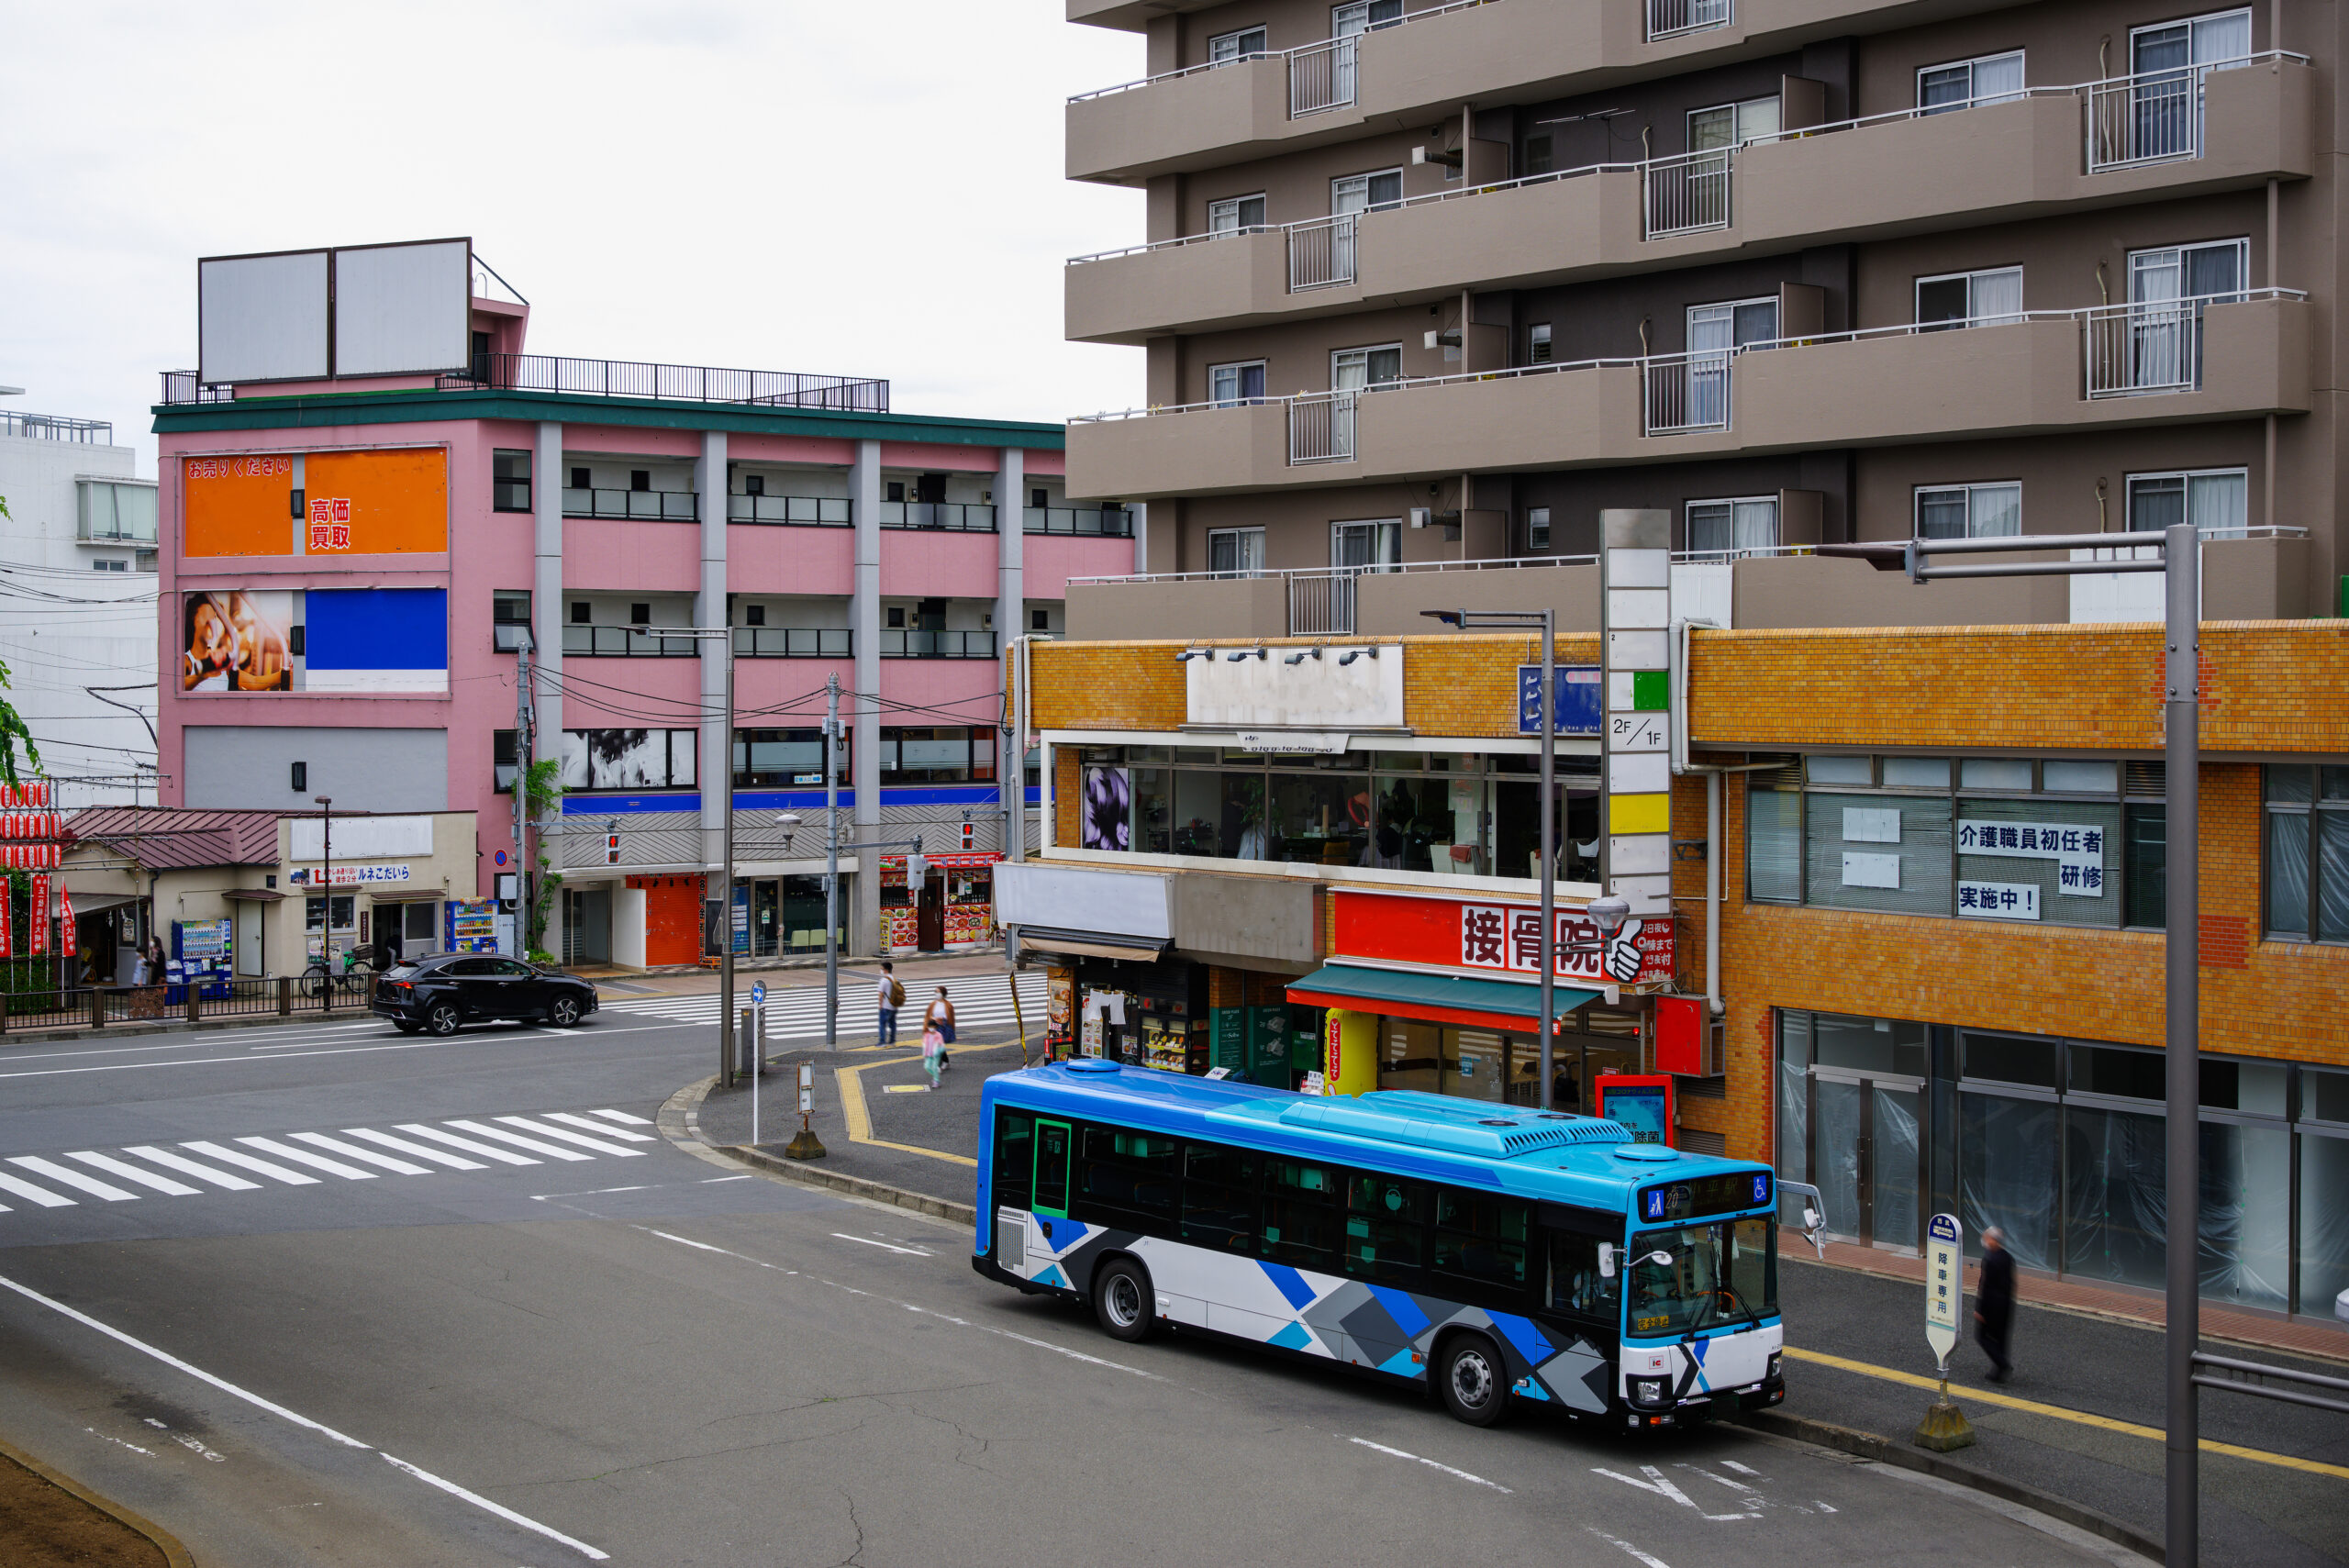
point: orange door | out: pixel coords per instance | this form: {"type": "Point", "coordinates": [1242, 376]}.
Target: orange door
{"type": "Point", "coordinates": [673, 921]}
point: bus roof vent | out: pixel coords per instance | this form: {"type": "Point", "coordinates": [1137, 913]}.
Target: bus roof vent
{"type": "Point", "coordinates": [1431, 1121]}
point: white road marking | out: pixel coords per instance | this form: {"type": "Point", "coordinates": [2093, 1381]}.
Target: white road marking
{"type": "Point", "coordinates": [40, 1196]}
{"type": "Point", "coordinates": [1658, 1483]}
{"type": "Point", "coordinates": [1460, 1474]}
{"type": "Point", "coordinates": [238, 1157]}
{"type": "Point", "coordinates": [532, 1144]}
{"type": "Point", "coordinates": [623, 1117]}
{"type": "Point", "coordinates": [600, 1146]}
{"type": "Point", "coordinates": [1825, 1508]}
{"type": "Point", "coordinates": [1635, 1551]}
{"type": "Point", "coordinates": [891, 1246]}
{"type": "Point", "coordinates": [300, 1420]}
{"type": "Point", "coordinates": [467, 1145]}
{"type": "Point", "coordinates": [301, 1157]}
{"type": "Point", "coordinates": [454, 1162]}
{"type": "Point", "coordinates": [130, 1173]}
{"type": "Point", "coordinates": [72, 1178]}
{"type": "Point", "coordinates": [1743, 1468]}
{"type": "Point", "coordinates": [187, 1167]}
{"type": "Point", "coordinates": [549, 1028]}
{"type": "Point", "coordinates": [713, 1180]}
{"type": "Point", "coordinates": [598, 1192]}
{"type": "Point", "coordinates": [1721, 1480]}
{"type": "Point", "coordinates": [352, 1151]}
{"type": "Point", "coordinates": [119, 1443]}
{"type": "Point", "coordinates": [572, 1118]}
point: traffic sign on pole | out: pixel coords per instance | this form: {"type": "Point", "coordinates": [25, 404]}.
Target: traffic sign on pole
{"type": "Point", "coordinates": [758, 993]}
{"type": "Point", "coordinates": [1944, 1426]}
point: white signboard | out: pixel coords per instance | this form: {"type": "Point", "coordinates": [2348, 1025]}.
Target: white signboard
{"type": "Point", "coordinates": [1871, 825]}
{"type": "Point", "coordinates": [1871, 871]}
{"type": "Point", "coordinates": [359, 838]}
{"type": "Point", "coordinates": [346, 875]}
{"type": "Point", "coordinates": [1998, 900]}
{"type": "Point", "coordinates": [1319, 694]}
{"type": "Point", "coordinates": [1944, 1284]}
{"type": "Point", "coordinates": [2077, 848]}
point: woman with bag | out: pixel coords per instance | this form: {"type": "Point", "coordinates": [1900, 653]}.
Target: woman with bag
{"type": "Point", "coordinates": [939, 1016]}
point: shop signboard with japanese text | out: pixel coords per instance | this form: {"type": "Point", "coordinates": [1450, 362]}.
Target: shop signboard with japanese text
{"type": "Point", "coordinates": [1502, 940]}
{"type": "Point", "coordinates": [387, 502]}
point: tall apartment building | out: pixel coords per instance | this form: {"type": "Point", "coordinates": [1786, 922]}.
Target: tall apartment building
{"type": "Point", "coordinates": [373, 496]}
{"type": "Point", "coordinates": [77, 603]}
{"type": "Point", "coordinates": [1441, 302]}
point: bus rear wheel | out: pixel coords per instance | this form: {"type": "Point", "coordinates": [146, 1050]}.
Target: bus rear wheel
{"type": "Point", "coordinates": [1474, 1386]}
{"type": "Point", "coordinates": [1121, 1300]}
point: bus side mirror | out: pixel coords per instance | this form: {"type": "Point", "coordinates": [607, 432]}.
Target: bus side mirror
{"type": "Point", "coordinates": [1810, 1219]}
{"type": "Point", "coordinates": [1606, 1260]}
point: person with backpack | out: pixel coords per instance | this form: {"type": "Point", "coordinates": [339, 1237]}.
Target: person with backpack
{"type": "Point", "coordinates": [939, 1016]}
{"type": "Point", "coordinates": [892, 997]}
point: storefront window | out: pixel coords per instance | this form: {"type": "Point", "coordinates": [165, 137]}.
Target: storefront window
{"type": "Point", "coordinates": [1319, 818]}
{"type": "Point", "coordinates": [2246, 1214]}
{"type": "Point", "coordinates": [2009, 1174]}
{"type": "Point", "coordinates": [1870, 1045]}
{"type": "Point", "coordinates": [2004, 847]}
{"type": "Point", "coordinates": [2113, 1207]}
{"type": "Point", "coordinates": [784, 759]}
{"type": "Point", "coordinates": [346, 913]}
{"type": "Point", "coordinates": [1794, 1098]}
{"type": "Point", "coordinates": [1889, 853]}
{"type": "Point", "coordinates": [2324, 1211]}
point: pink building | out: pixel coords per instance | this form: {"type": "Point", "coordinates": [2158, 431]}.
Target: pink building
{"type": "Point", "coordinates": [371, 521]}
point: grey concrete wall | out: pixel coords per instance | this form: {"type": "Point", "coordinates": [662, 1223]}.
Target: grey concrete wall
{"type": "Point", "coordinates": [234, 767]}
{"type": "Point", "coordinates": [1247, 606]}
{"type": "Point", "coordinates": [1258, 919]}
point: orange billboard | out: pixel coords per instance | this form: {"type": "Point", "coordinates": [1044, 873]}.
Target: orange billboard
{"type": "Point", "coordinates": [390, 502]}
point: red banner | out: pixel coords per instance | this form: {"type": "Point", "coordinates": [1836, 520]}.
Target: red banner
{"type": "Point", "coordinates": [36, 939]}
{"type": "Point", "coordinates": [1499, 940]}
{"type": "Point", "coordinates": [7, 917]}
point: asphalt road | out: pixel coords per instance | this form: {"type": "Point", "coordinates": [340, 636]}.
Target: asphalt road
{"type": "Point", "coordinates": [634, 1354]}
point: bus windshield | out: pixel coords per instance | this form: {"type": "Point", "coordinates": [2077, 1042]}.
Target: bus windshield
{"type": "Point", "coordinates": [1704, 1275]}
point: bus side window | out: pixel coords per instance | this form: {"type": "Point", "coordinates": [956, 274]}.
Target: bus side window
{"type": "Point", "coordinates": [1052, 1168]}
{"type": "Point", "coordinates": [1219, 1197]}
{"type": "Point", "coordinates": [1577, 1287]}
{"type": "Point", "coordinates": [1013, 1177]}
{"type": "Point", "coordinates": [1300, 1225]}
{"type": "Point", "coordinates": [1125, 1179]}
{"type": "Point", "coordinates": [1385, 1223]}
{"type": "Point", "coordinates": [1482, 1237]}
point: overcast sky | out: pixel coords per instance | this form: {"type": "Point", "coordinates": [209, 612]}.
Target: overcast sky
{"type": "Point", "coordinates": [868, 188]}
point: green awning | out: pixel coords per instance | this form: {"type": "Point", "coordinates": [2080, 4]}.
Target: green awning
{"type": "Point", "coordinates": [1439, 998]}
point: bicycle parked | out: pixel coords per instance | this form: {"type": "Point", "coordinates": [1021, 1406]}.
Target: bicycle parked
{"type": "Point", "coordinates": [360, 964]}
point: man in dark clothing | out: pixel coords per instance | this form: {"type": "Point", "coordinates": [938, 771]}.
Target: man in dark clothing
{"type": "Point", "coordinates": [1994, 1303]}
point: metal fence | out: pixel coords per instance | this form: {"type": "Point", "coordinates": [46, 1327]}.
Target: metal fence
{"type": "Point", "coordinates": [656, 506]}
{"type": "Point", "coordinates": [1321, 602]}
{"type": "Point", "coordinates": [1669, 18]}
{"type": "Point", "coordinates": [1320, 77]}
{"type": "Point", "coordinates": [907, 643]}
{"type": "Point", "coordinates": [181, 386]}
{"type": "Point", "coordinates": [1686, 392]}
{"type": "Point", "coordinates": [694, 383]}
{"type": "Point", "coordinates": [105, 1006]}
{"type": "Point", "coordinates": [2146, 119]}
{"type": "Point", "coordinates": [2132, 349]}
{"type": "Point", "coordinates": [953, 517]}
{"type": "Point", "coordinates": [56, 427]}
{"type": "Point", "coordinates": [1109, 522]}
{"type": "Point", "coordinates": [1321, 429]}
{"type": "Point", "coordinates": [1686, 195]}
{"type": "Point", "coordinates": [793, 642]}
{"type": "Point", "coordinates": [805, 511]}
{"type": "Point", "coordinates": [624, 642]}
{"type": "Point", "coordinates": [1322, 254]}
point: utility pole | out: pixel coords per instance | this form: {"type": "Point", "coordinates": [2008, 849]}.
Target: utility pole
{"type": "Point", "coordinates": [326, 875]}
{"type": "Point", "coordinates": [523, 721]}
{"type": "Point", "coordinates": [726, 897]}
{"type": "Point", "coordinates": [831, 862]}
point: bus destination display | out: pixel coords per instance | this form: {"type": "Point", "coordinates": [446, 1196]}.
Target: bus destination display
{"type": "Point", "coordinates": [1726, 1193]}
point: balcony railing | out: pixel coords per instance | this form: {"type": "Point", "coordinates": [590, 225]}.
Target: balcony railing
{"type": "Point", "coordinates": [652, 506]}
{"type": "Point", "coordinates": [1323, 603]}
{"type": "Point", "coordinates": [1670, 18]}
{"type": "Point", "coordinates": [1292, 575]}
{"type": "Point", "coordinates": [693, 384]}
{"type": "Point", "coordinates": [624, 642]}
{"type": "Point", "coordinates": [797, 511]}
{"type": "Point", "coordinates": [1684, 393]}
{"type": "Point", "coordinates": [56, 427]}
{"type": "Point", "coordinates": [2156, 117]}
{"type": "Point", "coordinates": [2146, 347]}
{"type": "Point", "coordinates": [1322, 427]}
{"type": "Point", "coordinates": [902, 642]}
{"type": "Point", "coordinates": [1321, 76]}
{"type": "Point", "coordinates": [1321, 253]}
{"type": "Point", "coordinates": [793, 642]}
{"type": "Point", "coordinates": [182, 387]}
{"type": "Point", "coordinates": [950, 516]}
{"type": "Point", "coordinates": [1686, 195]}
{"type": "Point", "coordinates": [1107, 522]}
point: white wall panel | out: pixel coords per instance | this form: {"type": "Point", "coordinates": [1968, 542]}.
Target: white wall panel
{"type": "Point", "coordinates": [262, 318]}
{"type": "Point", "coordinates": [403, 309]}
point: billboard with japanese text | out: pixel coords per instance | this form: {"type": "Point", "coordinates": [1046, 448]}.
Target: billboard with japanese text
{"type": "Point", "coordinates": [393, 501]}
{"type": "Point", "coordinates": [1502, 940]}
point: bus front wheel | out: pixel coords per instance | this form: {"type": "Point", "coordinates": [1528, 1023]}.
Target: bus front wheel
{"type": "Point", "coordinates": [1122, 1299]}
{"type": "Point", "coordinates": [1470, 1378]}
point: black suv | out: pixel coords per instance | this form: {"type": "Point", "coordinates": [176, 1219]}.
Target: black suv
{"type": "Point", "coordinates": [446, 990]}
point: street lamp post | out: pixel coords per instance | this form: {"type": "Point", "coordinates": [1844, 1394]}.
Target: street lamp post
{"type": "Point", "coordinates": [326, 875]}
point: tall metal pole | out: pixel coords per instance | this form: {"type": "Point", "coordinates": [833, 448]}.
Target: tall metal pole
{"type": "Point", "coordinates": [325, 922]}
{"type": "Point", "coordinates": [831, 862]}
{"type": "Point", "coordinates": [522, 746]}
{"type": "Point", "coordinates": [2182, 635]}
{"type": "Point", "coordinates": [1549, 850]}
{"type": "Point", "coordinates": [726, 897]}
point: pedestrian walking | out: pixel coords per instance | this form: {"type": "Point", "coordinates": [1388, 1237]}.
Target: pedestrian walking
{"type": "Point", "coordinates": [933, 1054]}
{"type": "Point", "coordinates": [892, 997]}
{"type": "Point", "coordinates": [939, 1016]}
{"type": "Point", "coordinates": [1994, 1303]}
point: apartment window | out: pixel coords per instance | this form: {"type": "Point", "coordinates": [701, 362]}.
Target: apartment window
{"type": "Point", "coordinates": [1537, 343]}
{"type": "Point", "coordinates": [582, 613]}
{"type": "Point", "coordinates": [1537, 158]}
{"type": "Point", "coordinates": [754, 484]}
{"type": "Point", "coordinates": [115, 514]}
{"type": "Point", "coordinates": [509, 489]}
{"type": "Point", "coordinates": [2308, 852]}
{"type": "Point", "coordinates": [509, 618]}
{"type": "Point", "coordinates": [639, 479]}
{"type": "Point", "coordinates": [1231, 385]}
{"type": "Point", "coordinates": [1362, 15]}
{"type": "Point", "coordinates": [2194, 41]}
{"type": "Point", "coordinates": [1969, 511]}
{"type": "Point", "coordinates": [2214, 500]}
{"type": "Point", "coordinates": [1236, 215]}
{"type": "Point", "coordinates": [897, 614]}
{"type": "Point", "coordinates": [582, 479]}
{"type": "Point", "coordinates": [1963, 84]}
{"type": "Point", "coordinates": [1246, 44]}
{"type": "Point", "coordinates": [109, 564]}
{"type": "Point", "coordinates": [1733, 125]}
{"type": "Point", "coordinates": [1235, 551]}
{"type": "Point", "coordinates": [1536, 528]}
{"type": "Point", "coordinates": [938, 755]}
{"type": "Point", "coordinates": [502, 763]}
{"type": "Point", "coordinates": [754, 615]}
{"type": "Point", "coordinates": [1734, 324]}
{"type": "Point", "coordinates": [1374, 544]}
{"type": "Point", "coordinates": [1353, 370]}
{"type": "Point", "coordinates": [1365, 193]}
{"type": "Point", "coordinates": [298, 778]}
{"type": "Point", "coordinates": [771, 759]}
{"type": "Point", "coordinates": [1040, 620]}
{"type": "Point", "coordinates": [1720, 528]}
{"type": "Point", "coordinates": [896, 490]}
{"type": "Point", "coordinates": [640, 614]}
{"type": "Point", "coordinates": [1990, 298]}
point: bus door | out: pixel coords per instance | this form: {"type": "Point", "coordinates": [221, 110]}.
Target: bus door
{"type": "Point", "coordinates": [1582, 1293]}
{"type": "Point", "coordinates": [1052, 1146]}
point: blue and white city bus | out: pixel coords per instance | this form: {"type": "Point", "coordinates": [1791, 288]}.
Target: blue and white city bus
{"type": "Point", "coordinates": [1498, 1252]}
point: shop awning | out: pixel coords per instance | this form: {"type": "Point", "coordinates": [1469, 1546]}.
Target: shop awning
{"type": "Point", "coordinates": [92, 903]}
{"type": "Point", "coordinates": [1438, 998]}
{"type": "Point", "coordinates": [1094, 944]}
{"type": "Point", "coordinates": [253, 895]}
{"type": "Point", "coordinates": [406, 894]}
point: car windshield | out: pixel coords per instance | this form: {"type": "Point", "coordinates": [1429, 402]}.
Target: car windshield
{"type": "Point", "coordinates": [1722, 1271]}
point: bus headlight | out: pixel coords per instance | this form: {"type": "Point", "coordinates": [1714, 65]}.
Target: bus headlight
{"type": "Point", "coordinates": [1776, 1357]}
{"type": "Point", "coordinates": [1647, 1390]}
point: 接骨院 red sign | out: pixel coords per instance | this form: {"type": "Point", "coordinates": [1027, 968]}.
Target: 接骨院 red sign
{"type": "Point", "coordinates": [1497, 939]}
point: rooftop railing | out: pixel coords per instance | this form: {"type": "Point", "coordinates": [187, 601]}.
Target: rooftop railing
{"type": "Point", "coordinates": [615, 378]}
{"type": "Point", "coordinates": [56, 427]}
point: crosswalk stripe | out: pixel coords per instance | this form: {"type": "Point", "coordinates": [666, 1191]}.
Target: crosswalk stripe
{"type": "Point", "coordinates": [572, 1119]}
{"type": "Point", "coordinates": [580, 1138]}
{"type": "Point", "coordinates": [467, 1145]}
{"type": "Point", "coordinates": [72, 1178]}
{"type": "Point", "coordinates": [187, 1167]}
{"type": "Point", "coordinates": [40, 1196]}
{"type": "Point", "coordinates": [625, 1120]}
{"type": "Point", "coordinates": [238, 1157]}
{"type": "Point", "coordinates": [130, 1173]}
{"type": "Point", "coordinates": [320, 1141]}
{"type": "Point", "coordinates": [532, 1144]}
{"type": "Point", "coordinates": [454, 1162]}
{"type": "Point", "coordinates": [301, 1157]}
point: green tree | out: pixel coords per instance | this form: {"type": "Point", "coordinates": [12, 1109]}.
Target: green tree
{"type": "Point", "coordinates": [13, 732]}
{"type": "Point", "coordinates": [541, 787]}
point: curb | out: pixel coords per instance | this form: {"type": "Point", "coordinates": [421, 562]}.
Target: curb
{"type": "Point", "coordinates": [174, 1554]}
{"type": "Point", "coordinates": [1884, 1451]}
{"type": "Point", "coordinates": [680, 1123]}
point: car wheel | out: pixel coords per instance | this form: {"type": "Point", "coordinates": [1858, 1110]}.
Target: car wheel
{"type": "Point", "coordinates": [404, 1027]}
{"type": "Point", "coordinates": [441, 1018]}
{"type": "Point", "coordinates": [563, 1012]}
{"type": "Point", "coordinates": [1121, 1300]}
{"type": "Point", "coordinates": [1471, 1379]}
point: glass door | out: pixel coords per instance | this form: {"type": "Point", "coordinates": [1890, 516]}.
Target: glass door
{"type": "Point", "coordinates": [1867, 1157]}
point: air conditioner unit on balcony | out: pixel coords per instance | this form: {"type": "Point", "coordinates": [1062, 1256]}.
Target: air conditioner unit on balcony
{"type": "Point", "coordinates": [1446, 156]}
{"type": "Point", "coordinates": [1420, 516]}
{"type": "Point", "coordinates": [1447, 338]}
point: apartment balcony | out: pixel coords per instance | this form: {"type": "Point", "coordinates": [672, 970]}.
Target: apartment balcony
{"type": "Point", "coordinates": [793, 642]}
{"type": "Point", "coordinates": [641, 505]}
{"type": "Point", "coordinates": [1418, 72]}
{"type": "Point", "coordinates": [2175, 362]}
{"type": "Point", "coordinates": [625, 642]}
{"type": "Point", "coordinates": [1079, 522]}
{"type": "Point", "coordinates": [946, 517]}
{"type": "Point", "coordinates": [902, 642]}
{"type": "Point", "coordinates": [2158, 138]}
{"type": "Point", "coordinates": [793, 511]}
